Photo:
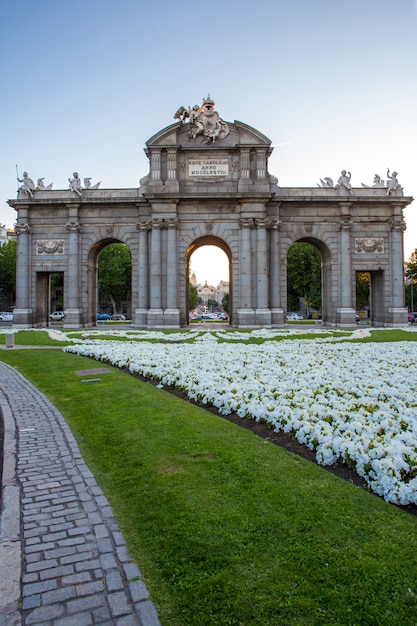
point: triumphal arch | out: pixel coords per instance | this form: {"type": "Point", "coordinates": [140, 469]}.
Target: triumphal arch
{"type": "Point", "coordinates": [208, 183]}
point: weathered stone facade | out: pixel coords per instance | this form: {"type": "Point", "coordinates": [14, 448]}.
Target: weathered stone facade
{"type": "Point", "coordinates": [207, 188]}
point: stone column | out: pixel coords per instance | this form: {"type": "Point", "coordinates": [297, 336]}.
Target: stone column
{"type": "Point", "coordinates": [156, 165]}
{"type": "Point", "coordinates": [262, 312]}
{"type": "Point", "coordinates": [22, 314]}
{"type": "Point", "coordinates": [245, 179]}
{"type": "Point", "coordinates": [277, 312]}
{"type": "Point", "coordinates": [398, 314]}
{"type": "Point", "coordinates": [72, 279]}
{"type": "Point", "coordinates": [155, 314]}
{"type": "Point", "coordinates": [246, 316]}
{"type": "Point", "coordinates": [171, 184]}
{"type": "Point", "coordinates": [346, 315]}
{"type": "Point", "coordinates": [172, 313]}
{"type": "Point", "coordinates": [141, 313]}
{"type": "Point", "coordinates": [260, 163]}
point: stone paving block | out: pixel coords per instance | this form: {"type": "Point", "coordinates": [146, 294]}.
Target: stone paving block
{"type": "Point", "coordinates": [138, 591]}
{"type": "Point", "coordinates": [114, 581]}
{"type": "Point", "coordinates": [108, 561]}
{"type": "Point", "coordinates": [44, 613]}
{"type": "Point", "coordinates": [31, 602]}
{"type": "Point", "coordinates": [147, 614]}
{"type": "Point", "coordinates": [58, 595]}
{"type": "Point", "coordinates": [86, 619]}
{"type": "Point", "coordinates": [90, 588]}
{"type": "Point", "coordinates": [76, 579]}
{"type": "Point", "coordinates": [91, 564]}
{"type": "Point", "coordinates": [57, 572]}
{"type": "Point", "coordinates": [131, 570]}
{"type": "Point", "coordinates": [40, 587]}
{"type": "Point", "coordinates": [118, 603]}
{"type": "Point", "coordinates": [85, 604]}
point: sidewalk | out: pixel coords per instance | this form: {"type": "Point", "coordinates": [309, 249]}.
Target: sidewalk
{"type": "Point", "coordinates": [63, 559]}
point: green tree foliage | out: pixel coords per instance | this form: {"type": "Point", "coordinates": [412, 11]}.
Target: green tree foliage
{"type": "Point", "coordinates": [225, 302]}
{"type": "Point", "coordinates": [193, 296]}
{"type": "Point", "coordinates": [411, 278]}
{"type": "Point", "coordinates": [363, 283]}
{"type": "Point", "coordinates": [8, 273]}
{"type": "Point", "coordinates": [304, 276]}
{"type": "Point", "coordinates": [115, 274]}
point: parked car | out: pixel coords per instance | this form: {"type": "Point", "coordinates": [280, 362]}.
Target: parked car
{"type": "Point", "coordinates": [118, 316]}
{"type": "Point", "coordinates": [58, 316]}
{"type": "Point", "coordinates": [103, 316]}
{"type": "Point", "coordinates": [412, 318]}
{"type": "Point", "coordinates": [6, 317]}
{"type": "Point", "coordinates": [294, 316]}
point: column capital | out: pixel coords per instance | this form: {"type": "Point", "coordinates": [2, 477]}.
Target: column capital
{"type": "Point", "coordinates": [73, 227]}
{"type": "Point", "coordinates": [399, 226]}
{"type": "Point", "coordinates": [141, 226]}
{"type": "Point", "coordinates": [246, 222]}
{"type": "Point", "coordinates": [261, 222]}
{"type": "Point", "coordinates": [172, 222]}
{"type": "Point", "coordinates": [19, 229]}
{"type": "Point", "coordinates": [156, 224]}
{"type": "Point", "coordinates": [274, 223]}
{"type": "Point", "coordinates": [345, 225]}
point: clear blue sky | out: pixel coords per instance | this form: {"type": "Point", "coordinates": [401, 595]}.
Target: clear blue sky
{"type": "Point", "coordinates": [85, 83]}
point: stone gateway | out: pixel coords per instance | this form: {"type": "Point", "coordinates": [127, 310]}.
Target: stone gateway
{"type": "Point", "coordinates": [208, 183]}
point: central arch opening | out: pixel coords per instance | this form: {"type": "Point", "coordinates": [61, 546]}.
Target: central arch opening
{"type": "Point", "coordinates": [208, 281]}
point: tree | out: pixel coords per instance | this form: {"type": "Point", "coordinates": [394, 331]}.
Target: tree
{"type": "Point", "coordinates": [363, 283]}
{"type": "Point", "coordinates": [193, 297]}
{"type": "Point", "coordinates": [225, 302]}
{"type": "Point", "coordinates": [8, 272]}
{"type": "Point", "coordinates": [304, 276]}
{"type": "Point", "coordinates": [115, 274]}
{"type": "Point", "coordinates": [411, 275]}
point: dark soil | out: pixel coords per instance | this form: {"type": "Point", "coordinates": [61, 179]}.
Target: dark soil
{"type": "Point", "coordinates": [284, 441]}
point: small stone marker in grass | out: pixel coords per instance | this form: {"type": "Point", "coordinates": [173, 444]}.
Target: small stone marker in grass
{"type": "Point", "coordinates": [97, 370]}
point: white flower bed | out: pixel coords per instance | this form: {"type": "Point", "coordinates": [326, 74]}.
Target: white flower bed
{"type": "Point", "coordinates": [348, 401]}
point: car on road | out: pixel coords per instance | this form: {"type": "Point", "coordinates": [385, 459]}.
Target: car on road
{"type": "Point", "coordinates": [103, 316]}
{"type": "Point", "coordinates": [118, 316]}
{"type": "Point", "coordinates": [412, 318]}
{"type": "Point", "coordinates": [294, 317]}
{"type": "Point", "coordinates": [6, 317]}
{"type": "Point", "coordinates": [57, 316]}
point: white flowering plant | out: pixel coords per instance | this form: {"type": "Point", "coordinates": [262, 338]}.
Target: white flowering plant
{"type": "Point", "coordinates": [349, 401]}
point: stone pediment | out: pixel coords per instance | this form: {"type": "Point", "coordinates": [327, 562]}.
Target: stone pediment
{"type": "Point", "coordinates": [203, 152]}
{"type": "Point", "coordinates": [178, 135]}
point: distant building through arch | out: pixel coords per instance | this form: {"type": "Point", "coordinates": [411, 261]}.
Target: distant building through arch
{"type": "Point", "coordinates": [208, 181]}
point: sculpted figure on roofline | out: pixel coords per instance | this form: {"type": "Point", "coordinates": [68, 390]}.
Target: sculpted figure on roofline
{"type": "Point", "coordinates": [204, 121]}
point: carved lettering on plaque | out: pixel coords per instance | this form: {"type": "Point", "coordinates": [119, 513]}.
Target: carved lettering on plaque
{"type": "Point", "coordinates": [208, 167]}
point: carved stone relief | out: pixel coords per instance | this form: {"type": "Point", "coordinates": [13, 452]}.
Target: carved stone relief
{"type": "Point", "coordinates": [367, 245]}
{"type": "Point", "coordinates": [50, 246]}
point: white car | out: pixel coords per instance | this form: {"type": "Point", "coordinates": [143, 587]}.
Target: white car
{"type": "Point", "coordinates": [58, 316]}
{"type": "Point", "coordinates": [294, 316]}
{"type": "Point", "coordinates": [6, 317]}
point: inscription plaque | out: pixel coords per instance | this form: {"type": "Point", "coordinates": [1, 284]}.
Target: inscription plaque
{"type": "Point", "coordinates": [208, 167]}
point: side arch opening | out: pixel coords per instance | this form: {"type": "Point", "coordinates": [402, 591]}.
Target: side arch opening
{"type": "Point", "coordinates": [111, 288]}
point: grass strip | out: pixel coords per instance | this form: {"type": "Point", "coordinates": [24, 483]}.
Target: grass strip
{"type": "Point", "coordinates": [226, 527]}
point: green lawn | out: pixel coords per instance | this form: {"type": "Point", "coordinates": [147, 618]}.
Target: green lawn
{"type": "Point", "coordinates": [226, 527]}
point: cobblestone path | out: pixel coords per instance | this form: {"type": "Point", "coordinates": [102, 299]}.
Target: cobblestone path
{"type": "Point", "coordinates": [63, 559]}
